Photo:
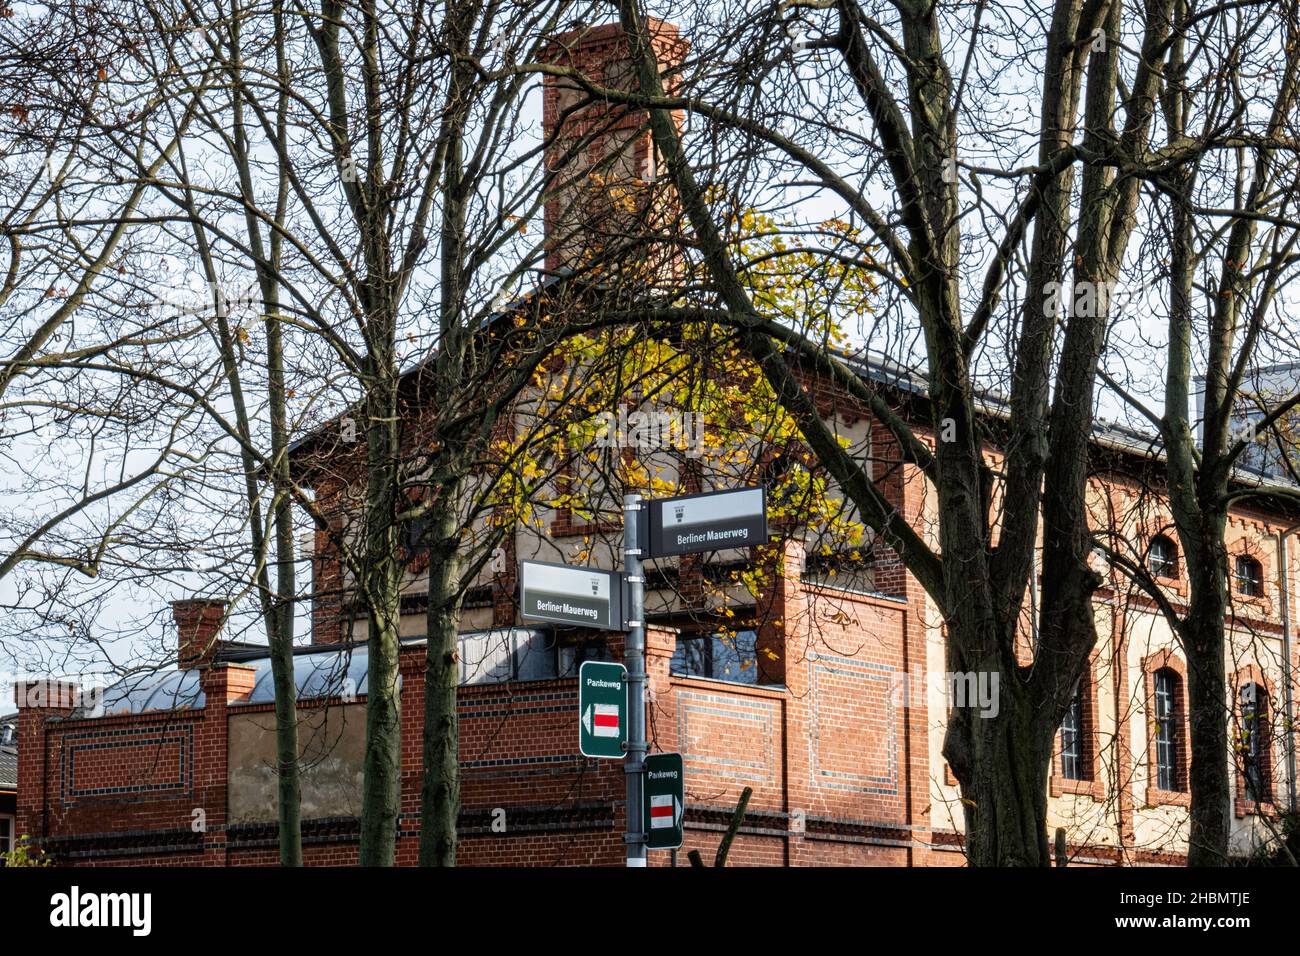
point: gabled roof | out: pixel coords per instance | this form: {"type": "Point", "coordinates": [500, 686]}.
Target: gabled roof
{"type": "Point", "coordinates": [1116, 437]}
{"type": "Point", "coordinates": [910, 384]}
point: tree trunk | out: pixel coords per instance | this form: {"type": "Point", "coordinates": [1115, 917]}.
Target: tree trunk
{"type": "Point", "coordinates": [1204, 642]}
{"type": "Point", "coordinates": [281, 641]}
{"type": "Point", "coordinates": [286, 740]}
{"type": "Point", "coordinates": [276, 603]}
{"type": "Point", "coordinates": [440, 787]}
{"type": "Point", "coordinates": [1002, 763]}
{"type": "Point", "coordinates": [381, 788]}
{"type": "Point", "coordinates": [381, 585]}
{"type": "Point", "coordinates": [440, 792]}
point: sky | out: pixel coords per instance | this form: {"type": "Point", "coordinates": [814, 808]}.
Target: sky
{"type": "Point", "coordinates": [124, 620]}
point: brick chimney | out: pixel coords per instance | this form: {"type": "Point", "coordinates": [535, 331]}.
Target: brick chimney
{"type": "Point", "coordinates": [601, 154]}
{"type": "Point", "coordinates": [198, 622]}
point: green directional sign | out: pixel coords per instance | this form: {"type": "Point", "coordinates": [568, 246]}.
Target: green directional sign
{"type": "Point", "coordinates": [664, 801]}
{"type": "Point", "coordinates": [602, 710]}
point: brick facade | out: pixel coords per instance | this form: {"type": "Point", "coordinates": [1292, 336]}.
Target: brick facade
{"type": "Point", "coordinates": [840, 748]}
{"type": "Point", "coordinates": [840, 741]}
{"type": "Point", "coordinates": [129, 788]}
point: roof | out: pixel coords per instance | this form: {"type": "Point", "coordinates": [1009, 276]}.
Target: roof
{"type": "Point", "coordinates": [882, 370]}
{"type": "Point", "coordinates": [320, 671]}
{"type": "Point", "coordinates": [1112, 436]}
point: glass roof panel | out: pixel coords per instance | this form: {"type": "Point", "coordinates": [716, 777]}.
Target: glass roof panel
{"type": "Point", "coordinates": [325, 673]}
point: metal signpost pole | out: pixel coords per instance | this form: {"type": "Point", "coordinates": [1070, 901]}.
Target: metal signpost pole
{"type": "Point", "coordinates": [612, 697]}
{"type": "Point", "coordinates": [634, 658]}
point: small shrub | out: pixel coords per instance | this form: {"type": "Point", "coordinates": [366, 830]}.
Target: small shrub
{"type": "Point", "coordinates": [24, 854]}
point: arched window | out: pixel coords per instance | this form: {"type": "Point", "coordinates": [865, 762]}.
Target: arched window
{"type": "Point", "coordinates": [1168, 719]}
{"type": "Point", "coordinates": [1250, 576]}
{"type": "Point", "coordinates": [1162, 557]}
{"type": "Point", "coordinates": [1254, 743]}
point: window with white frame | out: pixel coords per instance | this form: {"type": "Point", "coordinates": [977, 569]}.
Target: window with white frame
{"type": "Point", "coordinates": [1167, 694]}
{"type": "Point", "coordinates": [1250, 576]}
{"type": "Point", "coordinates": [1073, 756]}
{"type": "Point", "coordinates": [1162, 558]}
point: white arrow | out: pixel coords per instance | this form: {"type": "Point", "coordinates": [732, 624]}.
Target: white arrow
{"type": "Point", "coordinates": [677, 812]}
{"type": "Point", "coordinates": [586, 718]}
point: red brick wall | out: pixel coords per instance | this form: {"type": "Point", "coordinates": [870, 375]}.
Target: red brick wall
{"type": "Point", "coordinates": [160, 777]}
{"type": "Point", "coordinates": [599, 145]}
{"type": "Point", "coordinates": [834, 743]}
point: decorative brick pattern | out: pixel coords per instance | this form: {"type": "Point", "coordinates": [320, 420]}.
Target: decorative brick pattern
{"type": "Point", "coordinates": [722, 736]}
{"type": "Point", "coordinates": [853, 735]}
{"type": "Point", "coordinates": [126, 761]}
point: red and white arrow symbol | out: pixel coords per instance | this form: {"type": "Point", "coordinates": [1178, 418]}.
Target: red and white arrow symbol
{"type": "Point", "coordinates": [601, 720]}
{"type": "Point", "coordinates": [665, 811]}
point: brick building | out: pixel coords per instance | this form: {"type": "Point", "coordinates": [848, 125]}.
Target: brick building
{"type": "Point", "coordinates": [829, 702]}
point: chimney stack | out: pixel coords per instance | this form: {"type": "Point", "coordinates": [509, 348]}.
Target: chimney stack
{"type": "Point", "coordinates": [198, 622]}
{"type": "Point", "coordinates": [601, 154]}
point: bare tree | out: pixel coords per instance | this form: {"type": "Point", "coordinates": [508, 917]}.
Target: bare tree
{"type": "Point", "coordinates": [379, 170]}
{"type": "Point", "coordinates": [1225, 241]}
{"type": "Point", "coordinates": [68, 228]}
{"type": "Point", "coordinates": [899, 173]}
